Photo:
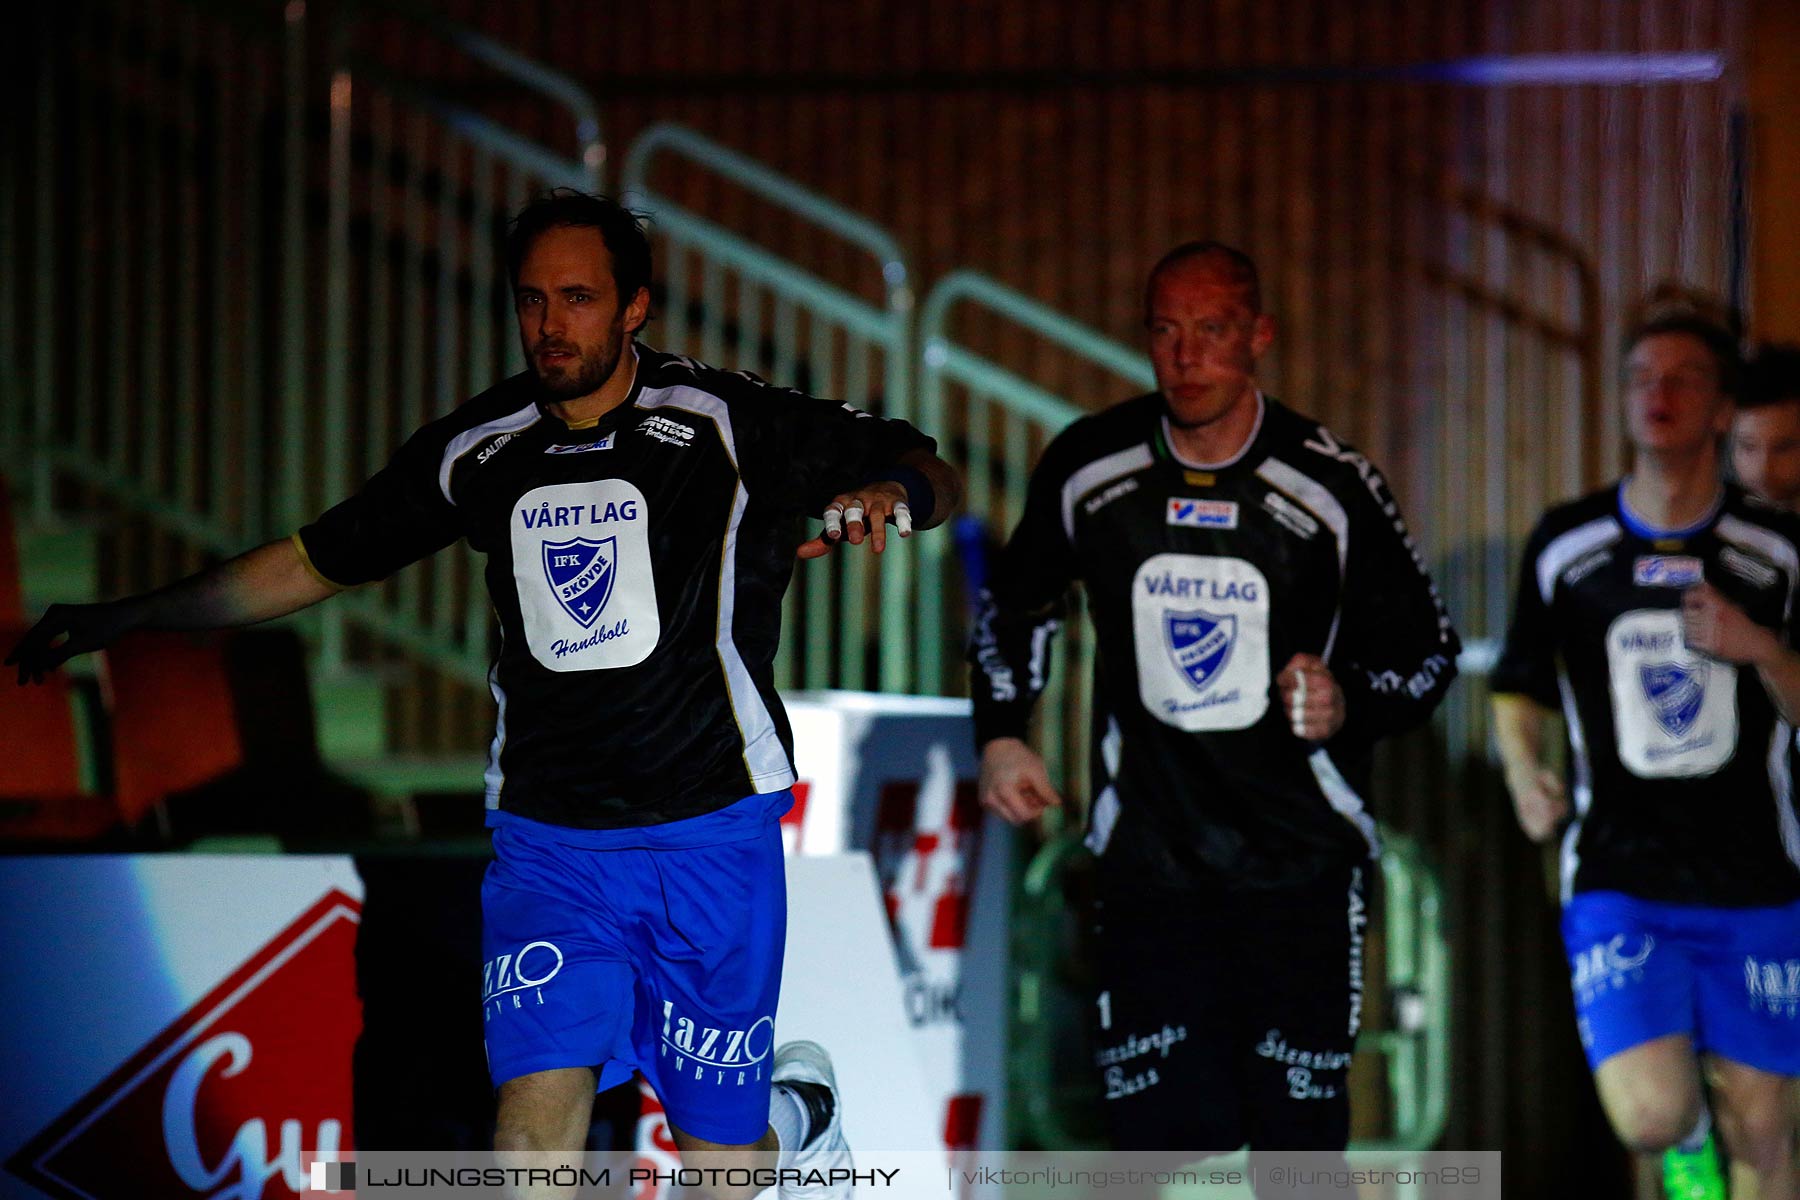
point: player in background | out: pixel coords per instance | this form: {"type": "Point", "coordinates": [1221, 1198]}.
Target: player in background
{"type": "Point", "coordinates": [640, 513]}
{"type": "Point", "coordinates": [1765, 432]}
{"type": "Point", "coordinates": [1657, 615]}
{"type": "Point", "coordinates": [1262, 620]}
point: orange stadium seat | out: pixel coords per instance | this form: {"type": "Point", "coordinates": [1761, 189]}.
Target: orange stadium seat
{"type": "Point", "coordinates": [41, 796]}
{"type": "Point", "coordinates": [174, 722]}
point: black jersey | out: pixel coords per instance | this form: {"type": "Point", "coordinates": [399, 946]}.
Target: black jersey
{"type": "Point", "coordinates": [1202, 581]}
{"type": "Point", "coordinates": [637, 568]}
{"type": "Point", "coordinates": [1681, 765]}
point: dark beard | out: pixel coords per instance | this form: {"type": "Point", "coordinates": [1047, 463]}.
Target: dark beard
{"type": "Point", "coordinates": [590, 373]}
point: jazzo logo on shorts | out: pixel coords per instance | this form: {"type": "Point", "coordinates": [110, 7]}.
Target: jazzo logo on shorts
{"type": "Point", "coordinates": [716, 1054]}
{"type": "Point", "coordinates": [1612, 964]}
{"type": "Point", "coordinates": [517, 978]}
{"type": "Point", "coordinates": [1773, 985]}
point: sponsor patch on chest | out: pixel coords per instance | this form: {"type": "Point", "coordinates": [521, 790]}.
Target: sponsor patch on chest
{"type": "Point", "coordinates": [1294, 518]}
{"type": "Point", "coordinates": [1200, 625]}
{"type": "Point", "coordinates": [1749, 568]}
{"type": "Point", "coordinates": [1666, 570]}
{"type": "Point", "coordinates": [600, 443]}
{"type": "Point", "coordinates": [668, 431]}
{"type": "Point", "coordinates": [1674, 711]}
{"type": "Point", "coordinates": [581, 563]}
{"type": "Point", "coordinates": [1202, 514]}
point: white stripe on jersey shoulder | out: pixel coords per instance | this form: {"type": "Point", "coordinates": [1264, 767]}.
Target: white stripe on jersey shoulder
{"type": "Point", "coordinates": [764, 759]}
{"type": "Point", "coordinates": [701, 404]}
{"type": "Point", "coordinates": [1098, 473]}
{"type": "Point", "coordinates": [1315, 496]}
{"type": "Point", "coordinates": [1565, 548]}
{"type": "Point", "coordinates": [1761, 540]}
{"type": "Point", "coordinates": [468, 439]}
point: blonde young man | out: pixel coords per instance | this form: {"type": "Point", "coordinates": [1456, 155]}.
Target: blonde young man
{"type": "Point", "coordinates": [1658, 615]}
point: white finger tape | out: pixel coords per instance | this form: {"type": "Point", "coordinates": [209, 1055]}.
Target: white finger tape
{"type": "Point", "coordinates": [853, 515]}
{"type": "Point", "coordinates": [834, 521]}
{"type": "Point", "coordinates": [1298, 713]}
{"type": "Point", "coordinates": [903, 518]}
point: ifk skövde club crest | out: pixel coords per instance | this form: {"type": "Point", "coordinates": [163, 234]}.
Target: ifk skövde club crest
{"type": "Point", "coordinates": [1676, 692]}
{"type": "Point", "coordinates": [1200, 642]}
{"type": "Point", "coordinates": [581, 573]}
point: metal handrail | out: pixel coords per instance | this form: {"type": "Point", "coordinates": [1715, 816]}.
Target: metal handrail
{"type": "Point", "coordinates": [546, 81]}
{"type": "Point", "coordinates": [1021, 405]}
{"type": "Point", "coordinates": [456, 645]}
{"type": "Point", "coordinates": [961, 286]}
{"type": "Point", "coordinates": [887, 325]}
{"type": "Point", "coordinates": [771, 185]}
{"type": "Point", "coordinates": [1418, 970]}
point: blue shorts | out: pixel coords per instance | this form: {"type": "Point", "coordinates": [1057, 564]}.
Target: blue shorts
{"type": "Point", "coordinates": [655, 949]}
{"type": "Point", "coordinates": [1727, 977]}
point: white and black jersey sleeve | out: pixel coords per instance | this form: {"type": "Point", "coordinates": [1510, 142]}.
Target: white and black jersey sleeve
{"type": "Point", "coordinates": [1017, 615]}
{"type": "Point", "coordinates": [1527, 662]}
{"type": "Point", "coordinates": [1395, 651]}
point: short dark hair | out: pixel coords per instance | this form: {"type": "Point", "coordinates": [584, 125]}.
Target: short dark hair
{"type": "Point", "coordinates": [620, 228]}
{"type": "Point", "coordinates": [1675, 309]}
{"type": "Point", "coordinates": [1237, 267]}
{"type": "Point", "coordinates": [1772, 376]}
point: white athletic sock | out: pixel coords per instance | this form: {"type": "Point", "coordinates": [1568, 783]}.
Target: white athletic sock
{"type": "Point", "coordinates": [788, 1118]}
{"type": "Point", "coordinates": [1696, 1138]}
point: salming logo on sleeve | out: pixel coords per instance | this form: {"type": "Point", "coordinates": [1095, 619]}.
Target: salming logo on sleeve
{"type": "Point", "coordinates": [1098, 473]}
{"type": "Point", "coordinates": [491, 436]}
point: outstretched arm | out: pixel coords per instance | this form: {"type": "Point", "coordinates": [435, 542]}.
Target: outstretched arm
{"type": "Point", "coordinates": [260, 585]}
{"type": "Point", "coordinates": [919, 478]}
